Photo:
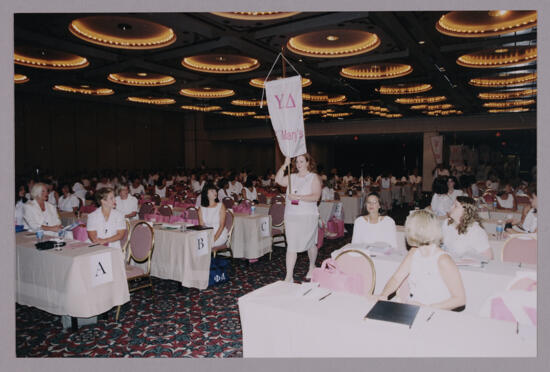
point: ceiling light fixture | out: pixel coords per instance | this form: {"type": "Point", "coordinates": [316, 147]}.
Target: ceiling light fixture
{"type": "Point", "coordinates": [504, 57]}
{"type": "Point", "coordinates": [84, 89]}
{"type": "Point", "coordinates": [152, 100]}
{"type": "Point", "coordinates": [405, 88]}
{"type": "Point", "coordinates": [207, 92]}
{"type": "Point", "coordinates": [505, 80]}
{"type": "Point", "coordinates": [259, 82]}
{"type": "Point", "coordinates": [376, 71]}
{"type": "Point", "coordinates": [512, 103]}
{"type": "Point", "coordinates": [508, 94]}
{"type": "Point", "coordinates": [420, 100]}
{"type": "Point", "coordinates": [333, 43]}
{"type": "Point", "coordinates": [201, 108]}
{"type": "Point", "coordinates": [20, 78]}
{"type": "Point", "coordinates": [52, 60]}
{"type": "Point", "coordinates": [255, 16]}
{"type": "Point", "coordinates": [485, 23]}
{"type": "Point", "coordinates": [141, 79]}
{"type": "Point", "coordinates": [216, 64]}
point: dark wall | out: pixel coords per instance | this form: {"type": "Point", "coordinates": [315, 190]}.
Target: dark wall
{"type": "Point", "coordinates": [64, 136]}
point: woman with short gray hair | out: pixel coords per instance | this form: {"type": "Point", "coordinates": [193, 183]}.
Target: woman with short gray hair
{"type": "Point", "coordinates": [38, 214]}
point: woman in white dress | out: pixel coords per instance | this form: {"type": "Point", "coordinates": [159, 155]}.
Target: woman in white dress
{"type": "Point", "coordinates": [385, 191]}
{"type": "Point", "coordinates": [301, 212]}
{"type": "Point", "coordinates": [126, 204]}
{"type": "Point", "coordinates": [441, 201]}
{"type": "Point", "coordinates": [463, 233]}
{"type": "Point", "coordinates": [38, 214]}
{"type": "Point", "coordinates": [434, 279]}
{"type": "Point", "coordinates": [106, 225]}
{"type": "Point", "coordinates": [454, 188]}
{"type": "Point", "coordinates": [68, 202]}
{"type": "Point", "coordinates": [212, 213]}
{"type": "Point", "coordinates": [506, 199]}
{"type": "Point", "coordinates": [249, 191]}
{"type": "Point", "coordinates": [374, 227]}
{"type": "Point", "coordinates": [20, 200]}
{"type": "Point", "coordinates": [528, 223]}
{"type": "Point", "coordinates": [160, 187]}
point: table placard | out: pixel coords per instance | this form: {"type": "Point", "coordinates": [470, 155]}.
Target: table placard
{"type": "Point", "coordinates": [201, 244]}
{"type": "Point", "coordinates": [265, 230]}
{"type": "Point", "coordinates": [338, 210]}
{"type": "Point", "coordinates": [101, 269]}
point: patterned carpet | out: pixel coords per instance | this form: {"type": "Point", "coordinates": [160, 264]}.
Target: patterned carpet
{"type": "Point", "coordinates": [181, 322]}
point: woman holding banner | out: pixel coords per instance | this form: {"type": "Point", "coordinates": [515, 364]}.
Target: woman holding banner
{"type": "Point", "coordinates": [301, 213]}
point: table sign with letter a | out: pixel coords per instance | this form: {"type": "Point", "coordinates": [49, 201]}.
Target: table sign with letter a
{"type": "Point", "coordinates": [201, 244]}
{"type": "Point", "coordinates": [101, 269]}
{"type": "Point", "coordinates": [265, 230]}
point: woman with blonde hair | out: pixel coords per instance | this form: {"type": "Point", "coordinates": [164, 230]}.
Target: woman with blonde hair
{"type": "Point", "coordinates": [38, 214]}
{"type": "Point", "coordinates": [434, 279]}
{"type": "Point", "coordinates": [301, 212]}
{"type": "Point", "coordinates": [463, 233]}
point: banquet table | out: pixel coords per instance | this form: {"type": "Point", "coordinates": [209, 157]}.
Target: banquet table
{"type": "Point", "coordinates": [499, 214]}
{"type": "Point", "coordinates": [68, 218]}
{"type": "Point", "coordinates": [351, 205]}
{"type": "Point", "coordinates": [78, 280]}
{"type": "Point", "coordinates": [183, 256]}
{"type": "Point", "coordinates": [329, 208]}
{"type": "Point", "coordinates": [251, 236]}
{"type": "Point", "coordinates": [277, 321]}
{"type": "Point", "coordinates": [479, 282]}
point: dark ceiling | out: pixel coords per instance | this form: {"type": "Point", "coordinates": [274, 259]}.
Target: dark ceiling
{"type": "Point", "coordinates": [408, 37]}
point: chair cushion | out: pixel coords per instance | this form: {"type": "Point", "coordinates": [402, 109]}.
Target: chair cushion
{"type": "Point", "coordinates": [219, 247]}
{"type": "Point", "coordinates": [133, 271]}
{"type": "Point", "coordinates": [275, 232]}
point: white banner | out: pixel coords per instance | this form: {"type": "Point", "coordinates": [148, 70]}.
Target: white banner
{"type": "Point", "coordinates": [437, 148]}
{"type": "Point", "coordinates": [201, 247]}
{"type": "Point", "coordinates": [455, 155]}
{"type": "Point", "coordinates": [265, 228]}
{"type": "Point", "coordinates": [284, 102]}
{"type": "Point", "coordinates": [101, 269]}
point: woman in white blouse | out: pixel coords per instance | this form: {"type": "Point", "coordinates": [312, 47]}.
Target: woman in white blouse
{"type": "Point", "coordinates": [327, 193]}
{"type": "Point", "coordinates": [223, 192]}
{"type": "Point", "coordinates": [136, 187]}
{"type": "Point", "coordinates": [441, 201]}
{"type": "Point", "coordinates": [212, 214]}
{"type": "Point", "coordinates": [249, 191]}
{"type": "Point", "coordinates": [20, 200]}
{"type": "Point", "coordinates": [68, 202]}
{"type": "Point", "coordinates": [507, 199]}
{"type": "Point", "coordinates": [454, 188]}
{"type": "Point", "coordinates": [463, 234]}
{"type": "Point", "coordinates": [106, 225]}
{"type": "Point", "coordinates": [38, 214]}
{"type": "Point", "coordinates": [125, 203]}
{"type": "Point", "coordinates": [528, 222]}
{"type": "Point", "coordinates": [374, 227]}
{"type": "Point", "coordinates": [160, 187]}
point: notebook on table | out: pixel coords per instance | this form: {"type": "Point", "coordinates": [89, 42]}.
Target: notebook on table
{"type": "Point", "coordinates": [393, 312]}
{"type": "Point", "coordinates": [199, 227]}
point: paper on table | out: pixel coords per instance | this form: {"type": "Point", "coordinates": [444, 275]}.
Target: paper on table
{"type": "Point", "coordinates": [170, 226]}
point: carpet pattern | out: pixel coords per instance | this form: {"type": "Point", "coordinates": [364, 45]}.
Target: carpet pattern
{"type": "Point", "coordinates": [180, 322]}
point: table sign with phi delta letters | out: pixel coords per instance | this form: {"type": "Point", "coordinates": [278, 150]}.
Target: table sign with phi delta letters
{"type": "Point", "coordinates": [264, 227]}
{"type": "Point", "coordinates": [101, 269]}
{"type": "Point", "coordinates": [201, 246]}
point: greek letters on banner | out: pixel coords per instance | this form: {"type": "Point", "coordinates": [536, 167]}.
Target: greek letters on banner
{"type": "Point", "coordinates": [265, 228]}
{"type": "Point", "coordinates": [201, 247]}
{"type": "Point", "coordinates": [284, 102]}
{"type": "Point", "coordinates": [101, 269]}
{"type": "Point", "coordinates": [437, 148]}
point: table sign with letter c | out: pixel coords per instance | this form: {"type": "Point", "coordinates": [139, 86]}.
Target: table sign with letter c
{"type": "Point", "coordinates": [265, 230]}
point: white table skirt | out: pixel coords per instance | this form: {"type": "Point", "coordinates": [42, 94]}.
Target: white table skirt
{"type": "Point", "coordinates": [247, 240]}
{"type": "Point", "coordinates": [351, 208]}
{"type": "Point", "coordinates": [62, 282]}
{"type": "Point", "coordinates": [277, 323]}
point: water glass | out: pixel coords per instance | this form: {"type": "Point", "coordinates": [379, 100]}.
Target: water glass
{"type": "Point", "coordinates": [40, 235]}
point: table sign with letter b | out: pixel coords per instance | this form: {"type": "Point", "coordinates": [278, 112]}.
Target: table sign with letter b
{"type": "Point", "coordinates": [201, 244]}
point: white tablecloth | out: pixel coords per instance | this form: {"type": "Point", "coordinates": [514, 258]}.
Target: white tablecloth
{"type": "Point", "coordinates": [351, 208]}
{"type": "Point", "coordinates": [277, 323]}
{"type": "Point", "coordinates": [175, 257]}
{"type": "Point", "coordinates": [479, 283]}
{"type": "Point", "coordinates": [69, 282]}
{"type": "Point", "coordinates": [247, 240]}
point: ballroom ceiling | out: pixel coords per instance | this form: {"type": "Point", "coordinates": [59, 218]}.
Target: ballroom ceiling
{"type": "Point", "coordinates": [360, 65]}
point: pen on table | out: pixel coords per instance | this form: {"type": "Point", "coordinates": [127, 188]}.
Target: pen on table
{"type": "Point", "coordinates": [93, 245]}
{"type": "Point", "coordinates": [430, 317]}
{"type": "Point", "coordinates": [325, 296]}
{"type": "Point", "coordinates": [517, 328]}
{"type": "Point", "coordinates": [306, 292]}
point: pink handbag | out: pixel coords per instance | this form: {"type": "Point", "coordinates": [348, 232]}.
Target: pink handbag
{"type": "Point", "coordinates": [335, 228]}
{"type": "Point", "coordinates": [80, 233]}
{"type": "Point", "coordinates": [320, 237]}
{"type": "Point", "coordinates": [328, 276]}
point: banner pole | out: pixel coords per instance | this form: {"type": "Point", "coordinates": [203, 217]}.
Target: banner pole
{"type": "Point", "coordinates": [284, 76]}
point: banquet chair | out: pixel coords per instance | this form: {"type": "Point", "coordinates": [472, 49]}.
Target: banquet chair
{"type": "Point", "coordinates": [192, 213]}
{"type": "Point", "coordinates": [278, 199]}
{"type": "Point", "coordinates": [262, 199]}
{"type": "Point", "coordinates": [520, 249]}
{"type": "Point", "coordinates": [229, 218]}
{"type": "Point", "coordinates": [190, 200]}
{"type": "Point", "coordinates": [356, 262]}
{"type": "Point", "coordinates": [140, 249]}
{"type": "Point", "coordinates": [489, 197]}
{"type": "Point", "coordinates": [146, 208]}
{"type": "Point", "coordinates": [277, 213]}
{"type": "Point", "coordinates": [156, 199]}
{"type": "Point", "coordinates": [126, 238]}
{"type": "Point", "coordinates": [166, 210]}
{"type": "Point", "coordinates": [228, 202]}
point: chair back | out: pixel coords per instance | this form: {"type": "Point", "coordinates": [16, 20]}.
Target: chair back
{"type": "Point", "coordinates": [146, 208]}
{"type": "Point", "coordinates": [166, 210]}
{"type": "Point", "coordinates": [522, 199]}
{"type": "Point", "coordinates": [278, 199]}
{"type": "Point", "coordinates": [228, 202]}
{"type": "Point", "coordinates": [336, 195]}
{"type": "Point", "coordinates": [489, 197]}
{"type": "Point", "coordinates": [192, 213]}
{"type": "Point", "coordinates": [520, 249]}
{"type": "Point", "coordinates": [247, 203]}
{"type": "Point", "coordinates": [142, 242]}
{"type": "Point", "coordinates": [190, 201]}
{"type": "Point", "coordinates": [277, 213]}
{"type": "Point", "coordinates": [156, 199]}
{"type": "Point", "coordinates": [357, 262]}
{"type": "Point", "coordinates": [262, 199]}
{"type": "Point", "coordinates": [229, 219]}
{"type": "Point", "coordinates": [126, 238]}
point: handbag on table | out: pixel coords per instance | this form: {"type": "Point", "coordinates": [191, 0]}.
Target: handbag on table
{"type": "Point", "coordinates": [328, 276]}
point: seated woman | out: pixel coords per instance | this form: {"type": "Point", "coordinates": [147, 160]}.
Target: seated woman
{"type": "Point", "coordinates": [223, 191]}
{"type": "Point", "coordinates": [68, 202]}
{"type": "Point", "coordinates": [160, 187]}
{"type": "Point", "coordinates": [212, 213]}
{"type": "Point", "coordinates": [106, 225]}
{"type": "Point", "coordinates": [506, 199]}
{"type": "Point", "coordinates": [528, 222]}
{"type": "Point", "coordinates": [20, 200]}
{"type": "Point", "coordinates": [125, 203]}
{"type": "Point", "coordinates": [38, 214]}
{"type": "Point", "coordinates": [434, 279]}
{"type": "Point", "coordinates": [136, 187]}
{"type": "Point", "coordinates": [327, 193]}
{"type": "Point", "coordinates": [454, 188]}
{"type": "Point", "coordinates": [441, 201]}
{"type": "Point", "coordinates": [249, 191]}
{"type": "Point", "coordinates": [463, 233]}
{"type": "Point", "coordinates": [374, 227]}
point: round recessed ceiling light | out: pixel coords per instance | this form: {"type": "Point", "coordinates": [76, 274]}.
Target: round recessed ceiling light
{"type": "Point", "coordinates": [333, 43]}
{"type": "Point", "coordinates": [249, 102]}
{"type": "Point", "coordinates": [405, 88]}
{"type": "Point", "coordinates": [255, 16]}
{"type": "Point", "coordinates": [48, 59]}
{"type": "Point", "coordinates": [201, 108]}
{"type": "Point", "coordinates": [84, 89]}
{"type": "Point", "coordinates": [420, 100]}
{"type": "Point", "coordinates": [322, 97]}
{"type": "Point", "coordinates": [259, 82]}
{"type": "Point", "coordinates": [508, 94]}
{"type": "Point", "coordinates": [375, 71]}
{"type": "Point", "coordinates": [504, 57]}
{"type": "Point", "coordinates": [152, 100]}
{"type": "Point", "coordinates": [238, 113]}
{"type": "Point", "coordinates": [122, 32]}
{"type": "Point", "coordinates": [512, 103]}
{"type": "Point", "coordinates": [515, 109]}
{"type": "Point", "coordinates": [207, 92]}
{"type": "Point", "coordinates": [140, 80]}
{"type": "Point", "coordinates": [20, 78]}
{"type": "Point", "coordinates": [220, 64]}
{"type": "Point", "coordinates": [485, 23]}
{"type": "Point", "coordinates": [504, 80]}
